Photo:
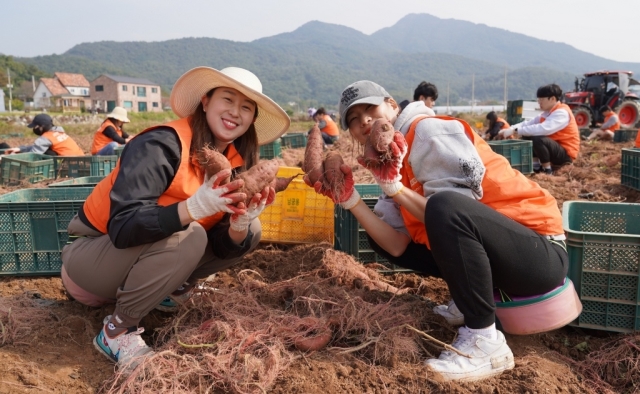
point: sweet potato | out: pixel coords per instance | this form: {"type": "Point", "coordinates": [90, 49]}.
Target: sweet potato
{"type": "Point", "coordinates": [333, 176]}
{"type": "Point", "coordinates": [213, 162]}
{"type": "Point", "coordinates": [376, 148]}
{"type": "Point", "coordinates": [258, 177]}
{"type": "Point", "coordinates": [282, 183]}
{"type": "Point", "coordinates": [381, 135]}
{"type": "Point", "coordinates": [312, 165]}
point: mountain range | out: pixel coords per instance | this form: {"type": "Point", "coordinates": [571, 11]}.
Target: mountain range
{"type": "Point", "coordinates": [312, 64]}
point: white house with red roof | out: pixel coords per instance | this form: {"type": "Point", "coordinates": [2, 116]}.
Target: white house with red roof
{"type": "Point", "coordinates": [65, 92]}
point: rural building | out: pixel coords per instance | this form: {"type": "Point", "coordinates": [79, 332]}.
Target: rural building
{"type": "Point", "coordinates": [65, 92]}
{"type": "Point", "coordinates": [133, 94]}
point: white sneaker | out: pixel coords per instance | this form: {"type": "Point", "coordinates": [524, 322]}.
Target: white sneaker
{"type": "Point", "coordinates": [172, 302]}
{"type": "Point", "coordinates": [488, 358]}
{"type": "Point", "coordinates": [127, 349]}
{"type": "Point", "coordinates": [451, 313]}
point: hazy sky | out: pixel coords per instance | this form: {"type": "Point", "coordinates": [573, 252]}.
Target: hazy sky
{"type": "Point", "coordinates": [44, 27]}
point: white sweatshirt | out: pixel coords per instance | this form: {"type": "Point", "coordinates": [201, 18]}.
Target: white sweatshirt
{"type": "Point", "coordinates": [442, 158]}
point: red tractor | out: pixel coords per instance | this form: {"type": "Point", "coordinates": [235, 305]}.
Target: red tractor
{"type": "Point", "coordinates": [613, 88]}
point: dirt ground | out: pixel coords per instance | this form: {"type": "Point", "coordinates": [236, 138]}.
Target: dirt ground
{"type": "Point", "coordinates": [45, 339]}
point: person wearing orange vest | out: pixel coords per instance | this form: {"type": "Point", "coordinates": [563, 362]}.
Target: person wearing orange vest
{"type": "Point", "coordinates": [495, 125]}
{"type": "Point", "coordinates": [554, 133]}
{"type": "Point", "coordinates": [157, 226]}
{"type": "Point", "coordinates": [110, 134]}
{"type": "Point", "coordinates": [52, 140]}
{"type": "Point", "coordinates": [607, 130]}
{"type": "Point", "coordinates": [454, 209]}
{"type": "Point", "coordinates": [328, 128]}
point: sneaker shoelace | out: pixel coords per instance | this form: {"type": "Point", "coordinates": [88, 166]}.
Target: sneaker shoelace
{"type": "Point", "coordinates": [132, 344]}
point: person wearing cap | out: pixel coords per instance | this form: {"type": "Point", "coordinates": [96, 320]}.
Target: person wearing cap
{"type": "Point", "coordinates": [453, 208]}
{"type": "Point", "coordinates": [156, 226]}
{"type": "Point", "coordinates": [52, 140]}
{"type": "Point", "coordinates": [110, 134]}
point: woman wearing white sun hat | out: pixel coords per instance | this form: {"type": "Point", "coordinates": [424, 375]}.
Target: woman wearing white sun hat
{"type": "Point", "coordinates": [155, 226]}
{"type": "Point", "coordinates": [110, 135]}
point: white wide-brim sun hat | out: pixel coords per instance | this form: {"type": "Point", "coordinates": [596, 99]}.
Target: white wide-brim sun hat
{"type": "Point", "coordinates": [189, 89]}
{"type": "Point", "coordinates": [120, 114]}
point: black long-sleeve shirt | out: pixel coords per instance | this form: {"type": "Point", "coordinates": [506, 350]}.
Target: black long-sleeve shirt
{"type": "Point", "coordinates": [495, 129]}
{"type": "Point", "coordinates": [148, 165]}
{"type": "Point", "coordinates": [110, 132]}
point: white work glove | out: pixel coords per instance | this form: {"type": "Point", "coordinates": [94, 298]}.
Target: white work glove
{"type": "Point", "coordinates": [212, 198]}
{"type": "Point", "coordinates": [506, 133]}
{"type": "Point", "coordinates": [257, 204]}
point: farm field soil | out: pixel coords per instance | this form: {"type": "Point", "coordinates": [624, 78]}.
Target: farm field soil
{"type": "Point", "coordinates": [45, 339]}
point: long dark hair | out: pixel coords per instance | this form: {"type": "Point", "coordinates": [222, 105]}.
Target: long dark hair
{"type": "Point", "coordinates": [246, 144]}
{"type": "Point", "coordinates": [493, 118]}
{"type": "Point", "coordinates": [115, 123]}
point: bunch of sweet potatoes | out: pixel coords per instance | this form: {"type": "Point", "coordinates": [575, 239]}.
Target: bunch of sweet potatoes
{"type": "Point", "coordinates": [320, 167]}
{"type": "Point", "coordinates": [255, 178]}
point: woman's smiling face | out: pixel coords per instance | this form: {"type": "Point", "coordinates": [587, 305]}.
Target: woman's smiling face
{"type": "Point", "coordinates": [229, 115]}
{"type": "Point", "coordinates": [360, 117]}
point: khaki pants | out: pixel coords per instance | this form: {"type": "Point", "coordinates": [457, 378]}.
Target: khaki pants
{"type": "Point", "coordinates": [137, 279]}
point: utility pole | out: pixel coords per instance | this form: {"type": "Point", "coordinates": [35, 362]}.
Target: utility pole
{"type": "Point", "coordinates": [448, 111]}
{"type": "Point", "coordinates": [473, 85]}
{"type": "Point", "coordinates": [505, 88]}
{"type": "Point", "coordinates": [9, 86]}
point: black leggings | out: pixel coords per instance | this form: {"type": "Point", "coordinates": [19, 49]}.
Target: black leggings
{"type": "Point", "coordinates": [476, 249]}
{"type": "Point", "coordinates": [548, 150]}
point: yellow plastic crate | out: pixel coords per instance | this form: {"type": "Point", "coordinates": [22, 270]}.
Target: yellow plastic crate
{"type": "Point", "coordinates": [298, 215]}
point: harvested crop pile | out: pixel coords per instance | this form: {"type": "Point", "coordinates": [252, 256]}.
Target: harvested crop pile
{"type": "Point", "coordinates": [241, 339]}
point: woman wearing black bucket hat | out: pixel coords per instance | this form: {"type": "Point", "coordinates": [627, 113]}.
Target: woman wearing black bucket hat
{"type": "Point", "coordinates": [156, 226]}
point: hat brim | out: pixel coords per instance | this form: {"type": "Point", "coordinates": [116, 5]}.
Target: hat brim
{"type": "Point", "coordinates": [31, 125]}
{"type": "Point", "coordinates": [189, 89]}
{"type": "Point", "coordinates": [117, 117]}
{"type": "Point", "coordinates": [373, 100]}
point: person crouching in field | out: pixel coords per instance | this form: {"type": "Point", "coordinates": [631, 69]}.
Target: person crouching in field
{"type": "Point", "coordinates": [554, 133]}
{"type": "Point", "coordinates": [52, 140]}
{"type": "Point", "coordinates": [453, 208]}
{"type": "Point", "coordinates": [607, 130]}
{"type": "Point", "coordinates": [156, 226]}
{"type": "Point", "coordinates": [110, 134]}
{"type": "Point", "coordinates": [495, 125]}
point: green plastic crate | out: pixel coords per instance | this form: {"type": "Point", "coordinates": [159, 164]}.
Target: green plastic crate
{"type": "Point", "coordinates": [85, 181]}
{"type": "Point", "coordinates": [351, 238]}
{"type": "Point", "coordinates": [271, 150]}
{"type": "Point", "coordinates": [33, 228]}
{"type": "Point", "coordinates": [29, 167]}
{"type": "Point", "coordinates": [630, 168]}
{"type": "Point", "coordinates": [118, 150]}
{"type": "Point", "coordinates": [81, 166]}
{"type": "Point", "coordinates": [294, 140]}
{"type": "Point", "coordinates": [603, 241]}
{"type": "Point", "coordinates": [624, 135]}
{"type": "Point", "coordinates": [518, 152]}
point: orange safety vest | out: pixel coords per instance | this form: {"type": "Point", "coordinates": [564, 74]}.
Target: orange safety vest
{"type": "Point", "coordinates": [504, 189]}
{"type": "Point", "coordinates": [100, 140]}
{"type": "Point", "coordinates": [331, 128]}
{"type": "Point", "coordinates": [188, 178]}
{"type": "Point", "coordinates": [62, 144]}
{"type": "Point", "coordinates": [637, 144]}
{"type": "Point", "coordinates": [616, 126]}
{"type": "Point", "coordinates": [569, 137]}
{"type": "Point", "coordinates": [505, 124]}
